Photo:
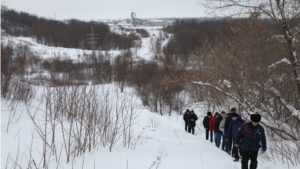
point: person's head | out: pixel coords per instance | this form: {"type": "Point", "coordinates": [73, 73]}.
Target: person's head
{"type": "Point", "coordinates": [209, 114]}
{"type": "Point", "coordinates": [227, 114]}
{"type": "Point", "coordinates": [192, 112]}
{"type": "Point", "coordinates": [223, 114]}
{"type": "Point", "coordinates": [255, 119]}
{"type": "Point", "coordinates": [234, 116]}
{"type": "Point", "coordinates": [217, 114]}
{"type": "Point", "coordinates": [187, 111]}
{"type": "Point", "coordinates": [233, 110]}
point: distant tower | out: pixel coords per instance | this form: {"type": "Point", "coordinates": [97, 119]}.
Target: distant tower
{"type": "Point", "coordinates": [92, 39]}
{"type": "Point", "coordinates": [133, 17]}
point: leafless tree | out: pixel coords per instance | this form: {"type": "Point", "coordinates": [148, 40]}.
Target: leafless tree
{"type": "Point", "coordinates": [255, 68]}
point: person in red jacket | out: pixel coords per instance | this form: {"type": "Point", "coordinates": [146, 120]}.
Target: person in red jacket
{"type": "Point", "coordinates": [212, 124]}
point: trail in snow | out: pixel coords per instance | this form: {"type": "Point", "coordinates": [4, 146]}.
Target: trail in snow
{"type": "Point", "coordinates": [164, 145]}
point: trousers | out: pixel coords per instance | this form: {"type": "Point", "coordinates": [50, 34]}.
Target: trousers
{"type": "Point", "coordinates": [252, 155]}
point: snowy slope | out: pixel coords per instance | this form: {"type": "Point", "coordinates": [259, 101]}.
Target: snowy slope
{"type": "Point", "coordinates": [164, 144]}
{"type": "Point", "coordinates": [77, 55]}
{"type": "Point", "coordinates": [161, 141]}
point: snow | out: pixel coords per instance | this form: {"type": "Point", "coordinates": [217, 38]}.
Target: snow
{"type": "Point", "coordinates": [47, 52]}
{"type": "Point", "coordinates": [161, 141]}
{"type": "Point", "coordinates": [164, 144]}
{"type": "Point", "coordinates": [294, 111]}
{"type": "Point", "coordinates": [159, 21]}
{"type": "Point", "coordinates": [78, 55]}
{"type": "Point", "coordinates": [145, 51]}
{"type": "Point", "coordinates": [284, 60]}
{"type": "Point", "coordinates": [227, 83]}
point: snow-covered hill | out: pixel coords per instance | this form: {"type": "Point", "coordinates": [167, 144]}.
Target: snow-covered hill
{"type": "Point", "coordinates": [158, 141]}
{"type": "Point", "coordinates": [155, 141]}
{"type": "Point", "coordinates": [78, 55]}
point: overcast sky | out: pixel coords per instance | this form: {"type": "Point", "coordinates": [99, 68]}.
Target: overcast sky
{"type": "Point", "coordinates": [108, 9]}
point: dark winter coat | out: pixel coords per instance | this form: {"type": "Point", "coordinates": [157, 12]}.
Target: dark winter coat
{"type": "Point", "coordinates": [227, 122]}
{"type": "Point", "coordinates": [234, 127]}
{"type": "Point", "coordinates": [217, 124]}
{"type": "Point", "coordinates": [252, 137]}
{"type": "Point", "coordinates": [212, 123]}
{"type": "Point", "coordinates": [186, 117]}
{"type": "Point", "coordinates": [206, 121]}
{"type": "Point", "coordinates": [192, 120]}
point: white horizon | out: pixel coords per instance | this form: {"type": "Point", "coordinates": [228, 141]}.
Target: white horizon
{"type": "Point", "coordinates": [115, 9]}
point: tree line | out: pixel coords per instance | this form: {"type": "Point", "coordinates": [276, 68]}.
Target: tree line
{"type": "Point", "coordinates": [70, 33]}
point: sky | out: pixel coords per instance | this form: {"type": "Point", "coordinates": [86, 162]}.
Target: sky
{"type": "Point", "coordinates": [108, 9]}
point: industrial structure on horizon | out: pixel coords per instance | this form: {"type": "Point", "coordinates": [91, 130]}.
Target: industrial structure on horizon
{"type": "Point", "coordinates": [136, 21]}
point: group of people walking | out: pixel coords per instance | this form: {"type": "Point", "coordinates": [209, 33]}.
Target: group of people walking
{"type": "Point", "coordinates": [190, 119]}
{"type": "Point", "coordinates": [238, 138]}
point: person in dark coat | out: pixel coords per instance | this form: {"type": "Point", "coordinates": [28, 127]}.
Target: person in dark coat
{"type": "Point", "coordinates": [217, 131]}
{"type": "Point", "coordinates": [252, 135]}
{"type": "Point", "coordinates": [232, 131]}
{"type": "Point", "coordinates": [206, 122]}
{"type": "Point", "coordinates": [192, 122]}
{"type": "Point", "coordinates": [186, 119]}
{"type": "Point", "coordinates": [229, 139]}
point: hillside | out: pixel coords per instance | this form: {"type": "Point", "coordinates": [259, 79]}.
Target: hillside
{"type": "Point", "coordinates": [156, 141]}
{"type": "Point", "coordinates": [78, 94]}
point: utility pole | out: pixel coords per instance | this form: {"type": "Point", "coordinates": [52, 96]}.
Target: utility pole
{"type": "Point", "coordinates": [92, 39]}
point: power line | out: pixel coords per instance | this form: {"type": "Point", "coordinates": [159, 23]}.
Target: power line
{"type": "Point", "coordinates": [92, 39]}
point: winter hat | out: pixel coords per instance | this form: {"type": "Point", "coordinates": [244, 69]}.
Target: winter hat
{"type": "Point", "coordinates": [192, 111]}
{"type": "Point", "coordinates": [209, 113]}
{"type": "Point", "coordinates": [234, 115]}
{"type": "Point", "coordinates": [217, 114]}
{"type": "Point", "coordinates": [233, 109]}
{"type": "Point", "coordinates": [223, 112]}
{"type": "Point", "coordinates": [255, 117]}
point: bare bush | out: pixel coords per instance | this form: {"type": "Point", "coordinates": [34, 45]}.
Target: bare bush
{"type": "Point", "coordinates": [20, 91]}
{"type": "Point", "coordinates": [255, 70]}
{"type": "Point", "coordinates": [6, 67]}
{"type": "Point", "coordinates": [282, 151]}
{"type": "Point", "coordinates": [86, 118]}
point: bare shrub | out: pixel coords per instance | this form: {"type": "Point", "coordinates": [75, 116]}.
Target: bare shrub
{"type": "Point", "coordinates": [86, 118]}
{"type": "Point", "coordinates": [143, 32]}
{"type": "Point", "coordinates": [20, 91]}
{"type": "Point", "coordinates": [6, 68]}
{"type": "Point", "coordinates": [282, 151]}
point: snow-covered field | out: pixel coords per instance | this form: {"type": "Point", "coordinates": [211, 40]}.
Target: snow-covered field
{"type": "Point", "coordinates": [158, 141]}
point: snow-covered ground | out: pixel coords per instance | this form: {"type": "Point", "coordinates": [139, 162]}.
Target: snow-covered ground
{"type": "Point", "coordinates": [158, 141]}
{"type": "Point", "coordinates": [162, 143]}
{"type": "Point", "coordinates": [77, 55]}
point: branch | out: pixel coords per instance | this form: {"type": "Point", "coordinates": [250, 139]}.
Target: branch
{"type": "Point", "coordinates": [227, 94]}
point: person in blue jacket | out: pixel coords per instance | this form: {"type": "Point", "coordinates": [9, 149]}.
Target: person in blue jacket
{"type": "Point", "coordinates": [232, 131]}
{"type": "Point", "coordinates": [252, 138]}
